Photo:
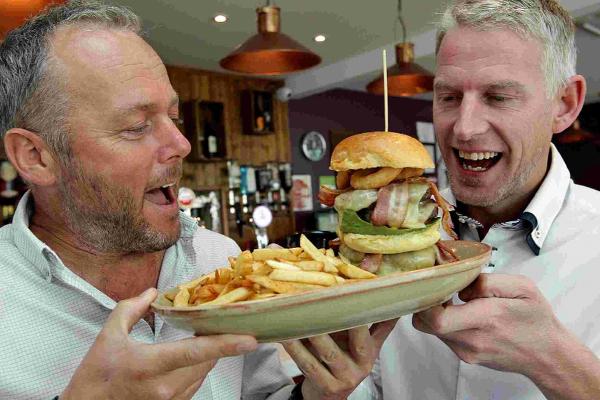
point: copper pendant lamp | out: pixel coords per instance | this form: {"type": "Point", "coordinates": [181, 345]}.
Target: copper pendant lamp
{"type": "Point", "coordinates": [269, 52]}
{"type": "Point", "coordinates": [406, 78]}
{"type": "Point", "coordinates": [13, 13]}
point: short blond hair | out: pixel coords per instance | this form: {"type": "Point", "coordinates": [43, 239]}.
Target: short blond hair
{"type": "Point", "coordinates": [544, 20]}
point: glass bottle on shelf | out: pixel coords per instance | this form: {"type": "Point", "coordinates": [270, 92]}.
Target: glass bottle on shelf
{"type": "Point", "coordinates": [285, 177]}
{"type": "Point", "coordinates": [211, 145]}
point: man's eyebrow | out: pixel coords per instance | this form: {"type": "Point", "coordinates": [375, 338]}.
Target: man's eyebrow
{"type": "Point", "coordinates": [500, 85]}
{"type": "Point", "coordinates": [146, 106]}
{"type": "Point", "coordinates": [442, 86]}
{"type": "Point", "coordinates": [503, 85]}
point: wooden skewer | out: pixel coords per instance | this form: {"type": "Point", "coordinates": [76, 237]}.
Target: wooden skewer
{"type": "Point", "coordinates": [385, 91]}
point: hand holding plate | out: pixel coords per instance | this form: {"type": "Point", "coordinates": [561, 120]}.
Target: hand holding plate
{"type": "Point", "coordinates": [334, 365]}
{"type": "Point", "coordinates": [118, 367]}
{"type": "Point", "coordinates": [505, 324]}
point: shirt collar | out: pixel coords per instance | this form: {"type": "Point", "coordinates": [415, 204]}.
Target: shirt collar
{"type": "Point", "coordinates": [40, 254]}
{"type": "Point", "coordinates": [32, 248]}
{"type": "Point", "coordinates": [542, 210]}
{"type": "Point", "coordinates": [547, 202]}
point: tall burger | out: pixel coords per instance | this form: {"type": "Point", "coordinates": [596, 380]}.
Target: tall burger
{"type": "Point", "coordinates": [388, 212]}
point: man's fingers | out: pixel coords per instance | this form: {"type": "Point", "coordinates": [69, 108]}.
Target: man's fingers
{"type": "Point", "coordinates": [191, 390]}
{"type": "Point", "coordinates": [186, 381]}
{"type": "Point", "coordinates": [499, 285]}
{"type": "Point", "coordinates": [196, 350]}
{"type": "Point", "coordinates": [338, 362]}
{"type": "Point", "coordinates": [381, 330]}
{"type": "Point", "coordinates": [308, 363]}
{"type": "Point", "coordinates": [361, 344]}
{"type": "Point", "coordinates": [128, 312]}
{"type": "Point", "coordinates": [442, 321]}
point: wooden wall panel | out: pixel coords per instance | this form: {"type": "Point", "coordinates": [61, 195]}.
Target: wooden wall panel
{"type": "Point", "coordinates": [193, 84]}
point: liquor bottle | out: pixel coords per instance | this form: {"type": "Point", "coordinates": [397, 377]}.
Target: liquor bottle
{"type": "Point", "coordinates": [285, 177]}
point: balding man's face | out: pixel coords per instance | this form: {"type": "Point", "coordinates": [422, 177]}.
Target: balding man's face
{"type": "Point", "coordinates": [126, 147]}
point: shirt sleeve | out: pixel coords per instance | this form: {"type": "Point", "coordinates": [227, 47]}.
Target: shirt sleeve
{"type": "Point", "coordinates": [264, 377]}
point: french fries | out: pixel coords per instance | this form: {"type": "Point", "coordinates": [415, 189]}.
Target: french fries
{"type": "Point", "coordinates": [267, 273]}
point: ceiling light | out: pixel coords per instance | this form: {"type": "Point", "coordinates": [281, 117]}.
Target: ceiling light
{"type": "Point", "coordinates": [15, 13]}
{"type": "Point", "coordinates": [320, 38]}
{"type": "Point", "coordinates": [406, 78]}
{"type": "Point", "coordinates": [269, 52]}
{"type": "Point", "coordinates": [220, 18]}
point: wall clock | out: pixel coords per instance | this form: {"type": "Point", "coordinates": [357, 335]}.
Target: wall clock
{"type": "Point", "coordinates": [313, 145]}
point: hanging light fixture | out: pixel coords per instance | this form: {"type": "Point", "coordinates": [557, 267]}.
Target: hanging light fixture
{"type": "Point", "coordinates": [405, 78]}
{"type": "Point", "coordinates": [14, 12]}
{"type": "Point", "coordinates": [269, 52]}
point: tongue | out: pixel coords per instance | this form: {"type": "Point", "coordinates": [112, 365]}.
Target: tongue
{"type": "Point", "coordinates": [156, 196]}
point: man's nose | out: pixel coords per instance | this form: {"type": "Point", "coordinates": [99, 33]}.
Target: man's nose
{"type": "Point", "coordinates": [174, 145]}
{"type": "Point", "coordinates": [471, 119]}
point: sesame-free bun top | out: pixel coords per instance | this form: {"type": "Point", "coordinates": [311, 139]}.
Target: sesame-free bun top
{"type": "Point", "coordinates": [379, 149]}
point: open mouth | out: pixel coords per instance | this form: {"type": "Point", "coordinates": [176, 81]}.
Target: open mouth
{"type": "Point", "coordinates": [162, 196]}
{"type": "Point", "coordinates": [477, 161]}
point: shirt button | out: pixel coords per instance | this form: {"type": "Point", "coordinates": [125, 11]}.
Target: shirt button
{"type": "Point", "coordinates": [537, 233]}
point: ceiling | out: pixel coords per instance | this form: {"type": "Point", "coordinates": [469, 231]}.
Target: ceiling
{"type": "Point", "coordinates": [183, 33]}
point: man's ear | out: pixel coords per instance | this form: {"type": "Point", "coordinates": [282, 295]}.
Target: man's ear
{"type": "Point", "coordinates": [30, 156]}
{"type": "Point", "coordinates": [570, 101]}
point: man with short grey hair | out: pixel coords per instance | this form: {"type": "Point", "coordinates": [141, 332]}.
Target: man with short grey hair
{"type": "Point", "coordinates": [529, 327]}
{"type": "Point", "coordinates": [87, 116]}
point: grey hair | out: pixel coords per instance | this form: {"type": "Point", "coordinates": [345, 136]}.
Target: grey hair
{"type": "Point", "coordinates": [543, 20]}
{"type": "Point", "coordinates": [31, 94]}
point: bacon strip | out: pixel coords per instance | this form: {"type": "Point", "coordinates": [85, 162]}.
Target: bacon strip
{"type": "Point", "coordinates": [327, 195]}
{"type": "Point", "coordinates": [335, 243]}
{"type": "Point", "coordinates": [444, 254]}
{"type": "Point", "coordinates": [371, 262]}
{"type": "Point", "coordinates": [444, 205]}
{"type": "Point", "coordinates": [392, 205]}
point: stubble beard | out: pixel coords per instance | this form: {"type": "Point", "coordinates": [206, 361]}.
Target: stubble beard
{"type": "Point", "coordinates": [105, 217]}
{"type": "Point", "coordinates": [465, 189]}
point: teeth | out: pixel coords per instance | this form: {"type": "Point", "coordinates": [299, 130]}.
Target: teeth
{"type": "Point", "coordinates": [469, 168]}
{"type": "Point", "coordinates": [167, 186]}
{"type": "Point", "coordinates": [477, 156]}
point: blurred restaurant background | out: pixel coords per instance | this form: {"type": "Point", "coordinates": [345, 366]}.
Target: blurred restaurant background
{"type": "Point", "coordinates": [268, 88]}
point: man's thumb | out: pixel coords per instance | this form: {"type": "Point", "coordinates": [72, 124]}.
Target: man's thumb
{"type": "Point", "coordinates": [128, 312]}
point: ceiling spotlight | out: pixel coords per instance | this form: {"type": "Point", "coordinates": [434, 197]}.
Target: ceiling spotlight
{"type": "Point", "coordinates": [220, 18]}
{"type": "Point", "coordinates": [320, 38]}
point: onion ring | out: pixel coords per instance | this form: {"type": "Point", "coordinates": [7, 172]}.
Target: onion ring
{"type": "Point", "coordinates": [373, 179]}
{"type": "Point", "coordinates": [342, 179]}
{"type": "Point", "coordinates": [406, 173]}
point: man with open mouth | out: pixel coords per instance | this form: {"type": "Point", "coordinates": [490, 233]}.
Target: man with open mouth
{"type": "Point", "coordinates": [528, 327]}
{"type": "Point", "coordinates": [88, 118]}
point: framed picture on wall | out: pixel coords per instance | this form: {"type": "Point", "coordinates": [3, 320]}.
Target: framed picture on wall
{"type": "Point", "coordinates": [302, 193]}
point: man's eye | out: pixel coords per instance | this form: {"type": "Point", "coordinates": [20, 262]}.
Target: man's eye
{"type": "Point", "coordinates": [139, 130]}
{"type": "Point", "coordinates": [447, 98]}
{"type": "Point", "coordinates": [177, 120]}
{"type": "Point", "coordinates": [496, 98]}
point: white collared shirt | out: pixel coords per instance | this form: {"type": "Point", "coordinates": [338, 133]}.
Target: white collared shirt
{"type": "Point", "coordinates": [49, 317]}
{"type": "Point", "coordinates": [562, 224]}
